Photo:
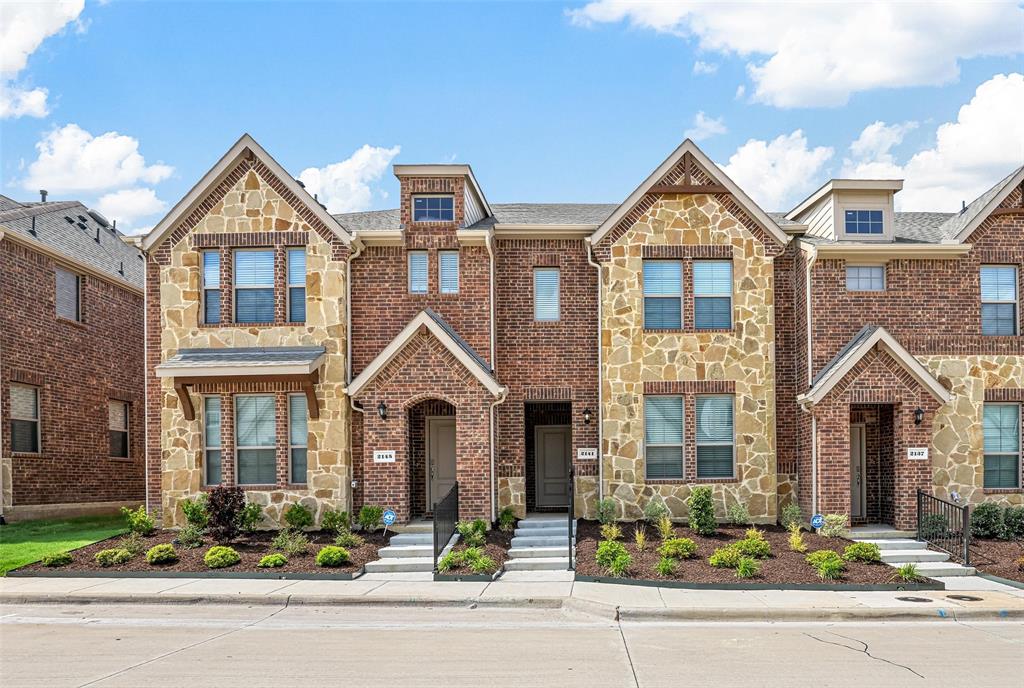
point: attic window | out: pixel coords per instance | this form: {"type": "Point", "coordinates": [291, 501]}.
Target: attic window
{"type": "Point", "coordinates": [864, 222]}
{"type": "Point", "coordinates": [433, 209]}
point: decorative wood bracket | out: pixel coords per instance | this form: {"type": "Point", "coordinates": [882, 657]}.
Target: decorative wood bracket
{"type": "Point", "coordinates": [186, 400]}
{"type": "Point", "coordinates": [306, 384]}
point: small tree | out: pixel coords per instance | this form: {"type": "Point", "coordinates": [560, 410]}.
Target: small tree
{"type": "Point", "coordinates": [223, 506]}
{"type": "Point", "coordinates": [702, 511]}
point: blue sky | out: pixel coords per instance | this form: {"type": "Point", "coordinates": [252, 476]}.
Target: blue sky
{"type": "Point", "coordinates": [548, 101]}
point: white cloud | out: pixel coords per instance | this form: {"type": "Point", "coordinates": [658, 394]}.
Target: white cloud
{"type": "Point", "coordinates": [818, 54]}
{"type": "Point", "coordinates": [705, 127]}
{"type": "Point", "coordinates": [967, 157]}
{"type": "Point", "coordinates": [73, 160]}
{"type": "Point", "coordinates": [127, 206]}
{"type": "Point", "coordinates": [779, 172]}
{"type": "Point", "coordinates": [23, 28]}
{"type": "Point", "coordinates": [345, 186]}
{"type": "Point", "coordinates": [701, 67]}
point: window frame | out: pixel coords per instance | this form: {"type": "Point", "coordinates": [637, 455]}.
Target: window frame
{"type": "Point", "coordinates": [57, 269]}
{"type": "Point", "coordinates": [38, 420]}
{"type": "Point", "coordinates": [1015, 302]}
{"type": "Point", "coordinates": [862, 266]}
{"type": "Point", "coordinates": [682, 439]}
{"type": "Point", "coordinates": [985, 453]}
{"type": "Point", "coordinates": [204, 288]}
{"type": "Point", "coordinates": [697, 297]}
{"type": "Point", "coordinates": [868, 222]}
{"type": "Point", "coordinates": [644, 296]}
{"type": "Point", "coordinates": [558, 292]}
{"type": "Point", "coordinates": [126, 430]}
{"type": "Point", "coordinates": [289, 285]}
{"type": "Point", "coordinates": [238, 447]}
{"type": "Point", "coordinates": [292, 447]}
{"type": "Point", "coordinates": [697, 443]}
{"type": "Point", "coordinates": [426, 271]}
{"type": "Point", "coordinates": [207, 447]}
{"type": "Point", "coordinates": [415, 197]}
{"type": "Point", "coordinates": [235, 287]}
{"type": "Point", "coordinates": [440, 270]}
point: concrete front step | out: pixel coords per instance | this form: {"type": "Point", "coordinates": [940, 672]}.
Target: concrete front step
{"type": "Point", "coordinates": [542, 532]}
{"type": "Point", "coordinates": [416, 527]}
{"type": "Point", "coordinates": [405, 551]}
{"type": "Point", "coordinates": [401, 565]}
{"type": "Point", "coordinates": [879, 533]}
{"type": "Point", "coordinates": [934, 569]}
{"type": "Point", "coordinates": [538, 552]}
{"type": "Point", "coordinates": [534, 522]}
{"type": "Point", "coordinates": [903, 556]}
{"type": "Point", "coordinates": [538, 564]}
{"type": "Point", "coordinates": [521, 542]}
{"type": "Point", "coordinates": [895, 543]}
{"type": "Point", "coordinates": [403, 539]}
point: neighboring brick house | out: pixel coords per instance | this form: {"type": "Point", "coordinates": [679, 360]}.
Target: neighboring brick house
{"type": "Point", "coordinates": [71, 362]}
{"type": "Point", "coordinates": [681, 337]}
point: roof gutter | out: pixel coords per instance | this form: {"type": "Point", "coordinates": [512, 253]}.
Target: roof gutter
{"type": "Point", "coordinates": [886, 252]}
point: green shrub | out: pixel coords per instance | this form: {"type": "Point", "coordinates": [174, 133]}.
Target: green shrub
{"type": "Point", "coordinates": [138, 520]}
{"type": "Point", "coordinates": [1013, 523]}
{"type": "Point", "coordinates": [747, 567]}
{"type": "Point", "coordinates": [611, 531]}
{"type": "Point", "coordinates": [907, 573]}
{"type": "Point", "coordinates": [702, 511]}
{"type": "Point", "coordinates": [134, 543]}
{"type": "Point", "coordinates": [820, 556]}
{"type": "Point", "coordinates": [866, 552]}
{"type": "Point", "coordinates": [753, 533]}
{"type": "Point", "coordinates": [738, 514]}
{"type": "Point", "coordinates": [190, 536]}
{"type": "Point", "coordinates": [987, 520]}
{"type": "Point", "coordinates": [298, 517]}
{"type": "Point", "coordinates": [370, 517]}
{"type": "Point", "coordinates": [830, 569]}
{"type": "Point", "coordinates": [640, 537]}
{"type": "Point", "coordinates": [223, 504]}
{"type": "Point", "coordinates": [934, 526]}
{"type": "Point", "coordinates": [272, 561]}
{"type": "Point", "coordinates": [349, 540]}
{"type": "Point", "coordinates": [56, 559]}
{"type": "Point", "coordinates": [1020, 564]}
{"type": "Point", "coordinates": [195, 511]}
{"type": "Point", "coordinates": [112, 557]}
{"type": "Point", "coordinates": [250, 517]}
{"type": "Point", "coordinates": [678, 548]}
{"type": "Point", "coordinates": [666, 566]}
{"type": "Point", "coordinates": [473, 533]}
{"type": "Point", "coordinates": [162, 554]}
{"type": "Point", "coordinates": [725, 558]}
{"type": "Point", "coordinates": [335, 521]}
{"type": "Point", "coordinates": [290, 542]}
{"type": "Point", "coordinates": [608, 551]}
{"type": "Point", "coordinates": [665, 529]}
{"type": "Point", "coordinates": [219, 557]}
{"type": "Point", "coordinates": [478, 561]}
{"type": "Point", "coordinates": [835, 525]}
{"type": "Point", "coordinates": [791, 514]}
{"type": "Point", "coordinates": [655, 509]}
{"type": "Point", "coordinates": [449, 561]}
{"type": "Point", "coordinates": [507, 520]}
{"type": "Point", "coordinates": [620, 565]}
{"type": "Point", "coordinates": [606, 510]}
{"type": "Point", "coordinates": [332, 555]}
{"type": "Point", "coordinates": [754, 547]}
{"type": "Point", "coordinates": [796, 538]}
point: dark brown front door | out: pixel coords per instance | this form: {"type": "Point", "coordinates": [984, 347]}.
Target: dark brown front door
{"type": "Point", "coordinates": [553, 447]}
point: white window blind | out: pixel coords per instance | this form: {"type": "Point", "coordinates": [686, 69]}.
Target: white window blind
{"type": "Point", "coordinates": [418, 272]}
{"type": "Point", "coordinates": [68, 298]}
{"type": "Point", "coordinates": [546, 294]}
{"type": "Point", "coordinates": [211, 437]}
{"type": "Point", "coordinates": [117, 420]}
{"type": "Point", "coordinates": [663, 303]}
{"type": "Point", "coordinates": [714, 436]}
{"type": "Point", "coordinates": [255, 440]}
{"type": "Point", "coordinates": [1002, 445]}
{"type": "Point", "coordinates": [712, 294]}
{"type": "Point", "coordinates": [297, 285]}
{"type": "Point", "coordinates": [663, 437]}
{"type": "Point", "coordinates": [998, 300]}
{"type": "Point", "coordinates": [254, 286]}
{"type": "Point", "coordinates": [24, 419]}
{"type": "Point", "coordinates": [211, 287]}
{"type": "Point", "coordinates": [297, 436]}
{"type": "Point", "coordinates": [448, 265]}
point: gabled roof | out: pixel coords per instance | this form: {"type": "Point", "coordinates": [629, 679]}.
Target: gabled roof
{"type": "Point", "coordinates": [960, 226]}
{"type": "Point", "coordinates": [855, 350]}
{"type": "Point", "coordinates": [444, 333]}
{"type": "Point", "coordinates": [445, 170]}
{"type": "Point", "coordinates": [246, 144]}
{"type": "Point", "coordinates": [716, 174]}
{"type": "Point", "coordinates": [833, 185]}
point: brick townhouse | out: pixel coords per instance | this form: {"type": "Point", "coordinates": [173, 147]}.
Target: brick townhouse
{"type": "Point", "coordinates": [71, 362]}
{"type": "Point", "coordinates": [842, 354]}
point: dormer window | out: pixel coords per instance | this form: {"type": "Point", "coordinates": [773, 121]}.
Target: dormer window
{"type": "Point", "coordinates": [433, 209]}
{"type": "Point", "coordinates": [864, 222]}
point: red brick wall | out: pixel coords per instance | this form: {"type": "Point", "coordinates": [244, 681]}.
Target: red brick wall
{"type": "Point", "coordinates": [78, 367]}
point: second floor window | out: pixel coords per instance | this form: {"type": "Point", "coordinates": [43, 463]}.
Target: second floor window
{"type": "Point", "coordinates": [117, 412]}
{"type": "Point", "coordinates": [433, 209]}
{"type": "Point", "coordinates": [418, 272]}
{"type": "Point", "coordinates": [998, 300]}
{"type": "Point", "coordinates": [865, 278]}
{"type": "Point", "coordinates": [68, 295]}
{"type": "Point", "coordinates": [448, 269]}
{"type": "Point", "coordinates": [211, 287]}
{"type": "Point", "coordinates": [296, 285]}
{"type": "Point", "coordinates": [663, 298]}
{"type": "Point", "coordinates": [712, 295]}
{"type": "Point", "coordinates": [24, 419]}
{"type": "Point", "coordinates": [545, 294]}
{"type": "Point", "coordinates": [863, 222]}
{"type": "Point", "coordinates": [255, 440]}
{"type": "Point", "coordinates": [254, 286]}
{"type": "Point", "coordinates": [211, 440]}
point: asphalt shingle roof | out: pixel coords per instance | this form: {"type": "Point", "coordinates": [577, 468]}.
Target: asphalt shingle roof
{"type": "Point", "coordinates": [956, 223]}
{"type": "Point", "coordinates": [255, 356]}
{"type": "Point", "coordinates": [849, 349]}
{"type": "Point", "coordinates": [463, 344]}
{"type": "Point", "coordinates": [67, 228]}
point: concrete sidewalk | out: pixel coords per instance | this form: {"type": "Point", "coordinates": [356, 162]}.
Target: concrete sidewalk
{"type": "Point", "coordinates": [529, 589]}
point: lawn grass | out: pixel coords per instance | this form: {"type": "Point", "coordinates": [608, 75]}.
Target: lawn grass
{"type": "Point", "coordinates": [27, 541]}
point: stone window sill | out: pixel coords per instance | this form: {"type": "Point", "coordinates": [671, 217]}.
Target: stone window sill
{"type": "Point", "coordinates": [121, 459]}
{"type": "Point", "coordinates": [224, 326]}
{"type": "Point", "coordinates": [686, 330]}
{"type": "Point", "coordinates": [27, 455]}
{"type": "Point", "coordinates": [1002, 490]}
{"type": "Point", "coordinates": [69, 321]}
{"type": "Point", "coordinates": [689, 481]}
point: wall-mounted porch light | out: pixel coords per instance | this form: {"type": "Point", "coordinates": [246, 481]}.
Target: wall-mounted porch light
{"type": "Point", "coordinates": [382, 410]}
{"type": "Point", "coordinates": [587, 415]}
{"type": "Point", "coordinates": [918, 415]}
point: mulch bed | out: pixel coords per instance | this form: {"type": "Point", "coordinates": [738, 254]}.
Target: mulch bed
{"type": "Point", "coordinates": [496, 548]}
{"type": "Point", "coordinates": [998, 557]}
{"type": "Point", "coordinates": [251, 548]}
{"type": "Point", "coordinates": [783, 567]}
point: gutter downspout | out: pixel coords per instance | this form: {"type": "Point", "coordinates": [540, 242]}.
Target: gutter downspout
{"type": "Point", "coordinates": [488, 243]}
{"type": "Point", "coordinates": [358, 245]}
{"type": "Point", "coordinates": [494, 497]}
{"type": "Point", "coordinates": [145, 377]}
{"type": "Point", "coordinates": [810, 377]}
{"type": "Point", "coordinates": [2, 521]}
{"type": "Point", "coordinates": [600, 373]}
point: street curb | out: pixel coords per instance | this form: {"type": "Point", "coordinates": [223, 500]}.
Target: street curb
{"type": "Point", "coordinates": [757, 614]}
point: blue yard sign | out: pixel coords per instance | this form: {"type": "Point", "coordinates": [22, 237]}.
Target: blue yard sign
{"type": "Point", "coordinates": [389, 517]}
{"type": "Point", "coordinates": [817, 521]}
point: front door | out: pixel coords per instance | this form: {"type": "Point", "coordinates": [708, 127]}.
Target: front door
{"type": "Point", "coordinates": [858, 474]}
{"type": "Point", "coordinates": [440, 458]}
{"type": "Point", "coordinates": [553, 447]}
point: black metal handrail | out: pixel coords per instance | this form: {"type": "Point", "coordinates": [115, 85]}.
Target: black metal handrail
{"type": "Point", "coordinates": [572, 513]}
{"type": "Point", "coordinates": [944, 525]}
{"type": "Point", "coordinates": [446, 515]}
